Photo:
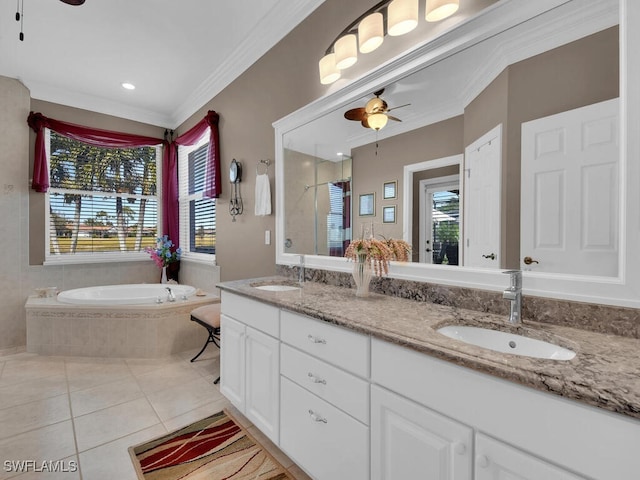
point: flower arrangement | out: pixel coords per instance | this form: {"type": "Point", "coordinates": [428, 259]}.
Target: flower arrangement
{"type": "Point", "coordinates": [378, 253]}
{"type": "Point", "coordinates": [163, 254]}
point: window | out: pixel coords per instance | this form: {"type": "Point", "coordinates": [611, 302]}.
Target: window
{"type": "Point", "coordinates": [197, 213]}
{"type": "Point", "coordinates": [103, 202]}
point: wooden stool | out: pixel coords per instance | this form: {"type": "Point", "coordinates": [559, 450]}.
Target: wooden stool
{"type": "Point", "coordinates": [209, 317]}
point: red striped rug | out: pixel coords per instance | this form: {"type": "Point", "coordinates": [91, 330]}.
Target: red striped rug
{"type": "Point", "coordinates": [215, 448]}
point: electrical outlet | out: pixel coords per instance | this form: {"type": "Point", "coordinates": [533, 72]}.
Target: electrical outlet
{"type": "Point", "coordinates": [267, 237]}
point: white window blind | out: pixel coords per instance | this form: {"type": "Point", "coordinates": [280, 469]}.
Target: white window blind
{"type": "Point", "coordinates": [197, 214]}
{"type": "Point", "coordinates": [102, 203]}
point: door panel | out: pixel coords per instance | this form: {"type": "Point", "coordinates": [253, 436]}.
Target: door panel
{"type": "Point", "coordinates": [569, 200]}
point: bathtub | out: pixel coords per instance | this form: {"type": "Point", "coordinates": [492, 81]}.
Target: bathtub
{"type": "Point", "coordinates": [124, 321]}
{"type": "Point", "coordinates": [133, 294]}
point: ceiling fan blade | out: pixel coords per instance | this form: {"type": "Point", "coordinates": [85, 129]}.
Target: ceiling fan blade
{"type": "Point", "coordinates": [365, 122]}
{"type": "Point", "coordinates": [390, 117]}
{"type": "Point", "coordinates": [355, 114]}
{"type": "Point", "coordinates": [400, 106]}
{"type": "Point", "coordinates": [73, 2]}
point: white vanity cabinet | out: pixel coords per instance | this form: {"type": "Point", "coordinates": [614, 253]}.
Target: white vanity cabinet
{"type": "Point", "coordinates": [409, 440]}
{"type": "Point", "coordinates": [325, 398]}
{"type": "Point", "coordinates": [519, 432]}
{"type": "Point", "coordinates": [497, 460]}
{"type": "Point", "coordinates": [250, 361]}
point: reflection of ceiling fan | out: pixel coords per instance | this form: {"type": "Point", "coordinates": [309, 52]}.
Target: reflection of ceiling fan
{"type": "Point", "coordinates": [374, 114]}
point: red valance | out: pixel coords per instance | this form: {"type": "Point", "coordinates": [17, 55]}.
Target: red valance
{"type": "Point", "coordinates": [212, 176]}
{"type": "Point", "coordinates": [92, 136]}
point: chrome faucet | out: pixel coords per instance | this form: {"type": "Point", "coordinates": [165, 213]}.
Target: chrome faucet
{"type": "Point", "coordinates": [170, 296]}
{"type": "Point", "coordinates": [514, 295]}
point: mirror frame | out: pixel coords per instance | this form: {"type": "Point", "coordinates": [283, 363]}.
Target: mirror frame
{"type": "Point", "coordinates": [623, 290]}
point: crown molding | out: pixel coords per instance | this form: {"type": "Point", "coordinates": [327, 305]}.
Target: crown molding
{"type": "Point", "coordinates": [280, 20]}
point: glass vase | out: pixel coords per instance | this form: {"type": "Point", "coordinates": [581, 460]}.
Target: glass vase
{"type": "Point", "coordinates": [362, 276]}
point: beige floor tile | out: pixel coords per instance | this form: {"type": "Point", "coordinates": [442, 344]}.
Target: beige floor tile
{"type": "Point", "coordinates": [87, 375]}
{"type": "Point", "coordinates": [168, 376]}
{"type": "Point", "coordinates": [53, 442]}
{"type": "Point", "coordinates": [112, 461]}
{"type": "Point", "coordinates": [104, 396]}
{"type": "Point", "coordinates": [33, 415]}
{"type": "Point", "coordinates": [141, 366]}
{"type": "Point", "coordinates": [25, 392]}
{"type": "Point", "coordinates": [29, 370]}
{"type": "Point", "coordinates": [171, 402]}
{"type": "Point", "coordinates": [196, 414]}
{"type": "Point", "coordinates": [114, 422]}
{"type": "Point", "coordinates": [67, 469]}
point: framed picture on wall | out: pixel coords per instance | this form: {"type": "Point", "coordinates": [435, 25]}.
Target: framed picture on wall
{"type": "Point", "coordinates": [367, 205]}
{"type": "Point", "coordinates": [389, 214]}
{"type": "Point", "coordinates": [390, 190]}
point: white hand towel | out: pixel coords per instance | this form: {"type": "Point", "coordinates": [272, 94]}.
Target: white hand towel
{"type": "Point", "coordinates": [263, 195]}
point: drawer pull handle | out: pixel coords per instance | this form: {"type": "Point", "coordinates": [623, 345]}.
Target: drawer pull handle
{"type": "Point", "coordinates": [315, 339]}
{"type": "Point", "coordinates": [316, 379]}
{"type": "Point", "coordinates": [317, 418]}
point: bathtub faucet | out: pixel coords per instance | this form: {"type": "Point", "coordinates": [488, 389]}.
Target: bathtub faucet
{"type": "Point", "coordinates": [170, 296]}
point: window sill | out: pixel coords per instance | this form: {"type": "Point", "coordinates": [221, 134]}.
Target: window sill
{"type": "Point", "coordinates": [91, 258]}
{"type": "Point", "coordinates": [199, 258]}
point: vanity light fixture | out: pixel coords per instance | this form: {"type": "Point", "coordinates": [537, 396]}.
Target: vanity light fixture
{"type": "Point", "coordinates": [440, 9]}
{"type": "Point", "coordinates": [366, 33]}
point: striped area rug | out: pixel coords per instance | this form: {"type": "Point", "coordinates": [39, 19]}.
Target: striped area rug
{"type": "Point", "coordinates": [216, 447]}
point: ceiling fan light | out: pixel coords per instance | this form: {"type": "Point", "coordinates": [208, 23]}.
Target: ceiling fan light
{"type": "Point", "coordinates": [346, 50]}
{"type": "Point", "coordinates": [329, 73]}
{"type": "Point", "coordinates": [440, 9]}
{"type": "Point", "coordinates": [375, 105]}
{"type": "Point", "coordinates": [402, 17]}
{"type": "Point", "coordinates": [371, 32]}
{"type": "Point", "coordinates": [377, 121]}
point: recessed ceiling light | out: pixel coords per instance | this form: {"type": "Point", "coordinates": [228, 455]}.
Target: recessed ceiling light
{"type": "Point", "coordinates": [339, 154]}
{"type": "Point", "coordinates": [128, 86]}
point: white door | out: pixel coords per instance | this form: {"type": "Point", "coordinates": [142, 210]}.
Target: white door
{"type": "Point", "coordinates": [232, 335]}
{"type": "Point", "coordinates": [262, 382]}
{"type": "Point", "coordinates": [569, 200]}
{"type": "Point", "coordinates": [482, 206]}
{"type": "Point", "coordinates": [498, 461]}
{"type": "Point", "coordinates": [409, 441]}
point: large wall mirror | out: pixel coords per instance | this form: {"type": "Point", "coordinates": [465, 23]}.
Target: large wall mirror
{"type": "Point", "coordinates": [482, 164]}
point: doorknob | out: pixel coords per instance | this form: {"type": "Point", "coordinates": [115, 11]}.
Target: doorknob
{"type": "Point", "coordinates": [492, 256]}
{"type": "Point", "coordinates": [529, 260]}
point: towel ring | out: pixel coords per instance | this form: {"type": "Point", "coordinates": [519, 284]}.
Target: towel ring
{"type": "Point", "coordinates": [266, 164]}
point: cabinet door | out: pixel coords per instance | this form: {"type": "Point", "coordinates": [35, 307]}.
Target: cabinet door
{"type": "Point", "coordinates": [232, 335]}
{"type": "Point", "coordinates": [326, 442]}
{"type": "Point", "coordinates": [411, 441]}
{"type": "Point", "coordinates": [498, 461]}
{"type": "Point", "coordinates": [262, 382]}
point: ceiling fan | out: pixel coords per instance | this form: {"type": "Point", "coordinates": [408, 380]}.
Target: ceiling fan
{"type": "Point", "coordinates": [374, 114]}
{"type": "Point", "coordinates": [73, 2]}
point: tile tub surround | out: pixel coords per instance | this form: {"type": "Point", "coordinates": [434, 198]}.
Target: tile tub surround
{"type": "Point", "coordinates": [604, 372]}
{"type": "Point", "coordinates": [128, 331]}
{"type": "Point", "coordinates": [588, 316]}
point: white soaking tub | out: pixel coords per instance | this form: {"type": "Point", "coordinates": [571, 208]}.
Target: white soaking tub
{"type": "Point", "coordinates": [133, 294]}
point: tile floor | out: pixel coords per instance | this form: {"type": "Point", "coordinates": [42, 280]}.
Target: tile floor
{"type": "Point", "coordinates": [88, 411]}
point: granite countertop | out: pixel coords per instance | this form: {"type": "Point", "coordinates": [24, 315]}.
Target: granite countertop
{"type": "Point", "coordinates": [604, 373]}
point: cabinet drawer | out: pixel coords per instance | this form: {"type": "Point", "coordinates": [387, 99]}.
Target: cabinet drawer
{"type": "Point", "coordinates": [326, 442]}
{"type": "Point", "coordinates": [342, 389]}
{"type": "Point", "coordinates": [344, 348]}
{"type": "Point", "coordinates": [258, 315]}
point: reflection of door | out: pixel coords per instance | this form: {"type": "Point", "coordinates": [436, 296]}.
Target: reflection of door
{"type": "Point", "coordinates": [439, 220]}
{"type": "Point", "coordinates": [482, 183]}
{"type": "Point", "coordinates": [569, 216]}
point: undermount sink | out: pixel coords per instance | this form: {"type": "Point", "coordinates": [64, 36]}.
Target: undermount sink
{"type": "Point", "coordinates": [277, 288]}
{"type": "Point", "coordinates": [507, 342]}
